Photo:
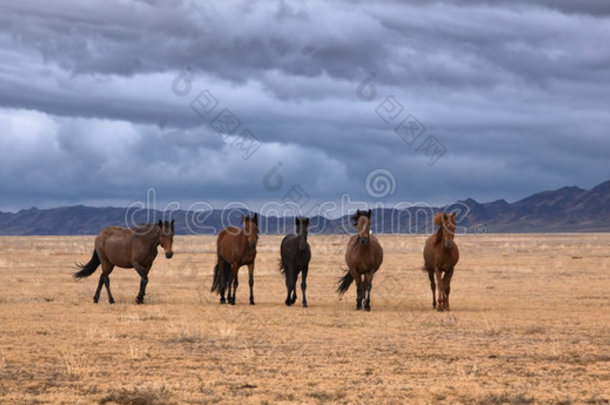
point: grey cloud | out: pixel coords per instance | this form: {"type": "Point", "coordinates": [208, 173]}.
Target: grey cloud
{"type": "Point", "coordinates": [516, 91]}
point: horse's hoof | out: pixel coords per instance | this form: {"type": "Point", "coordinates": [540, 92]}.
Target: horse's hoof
{"type": "Point", "coordinates": [95, 301]}
{"type": "Point", "coordinates": [139, 300]}
{"type": "Point", "coordinates": [111, 302]}
{"type": "Point", "coordinates": [367, 309]}
{"type": "Point", "coordinates": [251, 302]}
{"type": "Point", "coordinates": [305, 305]}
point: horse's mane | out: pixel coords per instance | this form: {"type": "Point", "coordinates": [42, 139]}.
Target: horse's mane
{"type": "Point", "coordinates": [143, 228]}
{"type": "Point", "coordinates": [438, 237]}
{"type": "Point", "coordinates": [354, 219]}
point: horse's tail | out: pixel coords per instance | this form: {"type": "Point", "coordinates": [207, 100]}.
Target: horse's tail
{"type": "Point", "coordinates": [344, 283]}
{"type": "Point", "coordinates": [282, 267]}
{"type": "Point", "coordinates": [88, 269]}
{"type": "Point", "coordinates": [220, 277]}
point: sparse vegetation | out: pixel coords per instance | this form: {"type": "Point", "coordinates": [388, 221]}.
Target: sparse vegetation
{"type": "Point", "coordinates": [538, 336]}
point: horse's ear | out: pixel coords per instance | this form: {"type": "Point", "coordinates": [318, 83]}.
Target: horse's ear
{"type": "Point", "coordinates": [172, 223]}
{"type": "Point", "coordinates": [368, 214]}
{"type": "Point", "coordinates": [453, 216]}
{"type": "Point", "coordinates": [160, 224]}
{"type": "Point", "coordinates": [255, 218]}
{"type": "Point", "coordinates": [438, 218]}
{"type": "Point", "coordinates": [297, 221]}
{"type": "Point", "coordinates": [306, 221]}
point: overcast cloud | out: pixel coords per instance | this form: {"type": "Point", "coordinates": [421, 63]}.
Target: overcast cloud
{"type": "Point", "coordinates": [94, 108]}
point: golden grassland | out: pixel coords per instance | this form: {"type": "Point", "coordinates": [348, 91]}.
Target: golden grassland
{"type": "Point", "coordinates": [530, 323]}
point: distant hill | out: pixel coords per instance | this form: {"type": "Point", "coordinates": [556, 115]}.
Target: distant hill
{"type": "Point", "coordinates": [569, 209]}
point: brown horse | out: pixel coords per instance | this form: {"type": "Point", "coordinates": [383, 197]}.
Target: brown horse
{"type": "Point", "coordinates": [440, 256]}
{"type": "Point", "coordinates": [363, 258]}
{"type": "Point", "coordinates": [235, 248]}
{"type": "Point", "coordinates": [128, 248]}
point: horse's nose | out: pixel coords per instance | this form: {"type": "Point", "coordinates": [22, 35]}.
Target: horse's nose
{"type": "Point", "coordinates": [362, 240]}
{"type": "Point", "coordinates": [448, 244]}
{"type": "Point", "coordinates": [252, 244]}
{"type": "Point", "coordinates": [169, 254]}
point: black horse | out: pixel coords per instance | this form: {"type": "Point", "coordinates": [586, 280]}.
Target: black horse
{"type": "Point", "coordinates": [295, 258]}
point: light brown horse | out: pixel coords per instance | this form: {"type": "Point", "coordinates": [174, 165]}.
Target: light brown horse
{"type": "Point", "coordinates": [235, 248]}
{"type": "Point", "coordinates": [128, 248]}
{"type": "Point", "coordinates": [363, 258]}
{"type": "Point", "coordinates": [440, 257]}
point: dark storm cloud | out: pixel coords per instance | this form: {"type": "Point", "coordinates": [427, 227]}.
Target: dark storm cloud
{"type": "Point", "coordinates": [516, 91]}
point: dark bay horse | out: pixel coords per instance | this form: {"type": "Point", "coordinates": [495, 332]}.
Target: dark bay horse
{"type": "Point", "coordinates": [363, 258]}
{"type": "Point", "coordinates": [440, 257]}
{"type": "Point", "coordinates": [235, 248]}
{"type": "Point", "coordinates": [128, 248]}
{"type": "Point", "coordinates": [295, 258]}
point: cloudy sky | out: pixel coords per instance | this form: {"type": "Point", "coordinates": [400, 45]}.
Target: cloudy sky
{"type": "Point", "coordinates": [216, 102]}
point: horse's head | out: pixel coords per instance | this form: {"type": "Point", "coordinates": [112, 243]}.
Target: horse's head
{"type": "Point", "coordinates": [302, 224]}
{"type": "Point", "coordinates": [166, 237]}
{"type": "Point", "coordinates": [362, 220]}
{"type": "Point", "coordinates": [251, 229]}
{"type": "Point", "coordinates": [447, 225]}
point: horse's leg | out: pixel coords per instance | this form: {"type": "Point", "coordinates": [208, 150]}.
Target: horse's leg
{"type": "Point", "coordinates": [432, 287]}
{"type": "Point", "coordinates": [251, 282]}
{"type": "Point", "coordinates": [368, 286]}
{"type": "Point", "coordinates": [222, 282]}
{"type": "Point", "coordinates": [143, 282]}
{"type": "Point", "coordinates": [229, 284]}
{"type": "Point", "coordinates": [293, 285]}
{"type": "Point", "coordinates": [288, 273]}
{"type": "Point", "coordinates": [440, 289]}
{"type": "Point", "coordinates": [235, 284]}
{"type": "Point", "coordinates": [96, 297]}
{"type": "Point", "coordinates": [447, 285]}
{"type": "Point", "coordinates": [304, 285]}
{"type": "Point", "coordinates": [107, 267]}
{"type": "Point", "coordinates": [359, 291]}
{"type": "Point", "coordinates": [107, 284]}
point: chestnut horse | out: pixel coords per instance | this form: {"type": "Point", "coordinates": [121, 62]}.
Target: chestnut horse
{"type": "Point", "coordinates": [440, 257]}
{"type": "Point", "coordinates": [235, 248]}
{"type": "Point", "coordinates": [128, 248]}
{"type": "Point", "coordinates": [296, 254]}
{"type": "Point", "coordinates": [363, 258]}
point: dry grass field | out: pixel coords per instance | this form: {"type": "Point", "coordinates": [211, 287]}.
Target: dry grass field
{"type": "Point", "coordinates": [530, 323]}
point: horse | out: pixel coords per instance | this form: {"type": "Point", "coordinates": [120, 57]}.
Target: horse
{"type": "Point", "coordinates": [235, 248]}
{"type": "Point", "coordinates": [128, 248]}
{"type": "Point", "coordinates": [296, 254]}
{"type": "Point", "coordinates": [440, 256]}
{"type": "Point", "coordinates": [363, 257]}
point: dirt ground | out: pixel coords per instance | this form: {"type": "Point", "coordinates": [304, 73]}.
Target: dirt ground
{"type": "Point", "coordinates": [530, 323]}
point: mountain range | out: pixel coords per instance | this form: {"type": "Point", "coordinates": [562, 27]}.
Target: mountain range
{"type": "Point", "coordinates": [569, 209]}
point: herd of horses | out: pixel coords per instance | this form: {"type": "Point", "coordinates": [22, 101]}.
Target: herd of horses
{"type": "Point", "coordinates": [137, 248]}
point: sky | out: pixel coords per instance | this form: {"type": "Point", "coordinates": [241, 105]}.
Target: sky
{"type": "Point", "coordinates": [209, 104]}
